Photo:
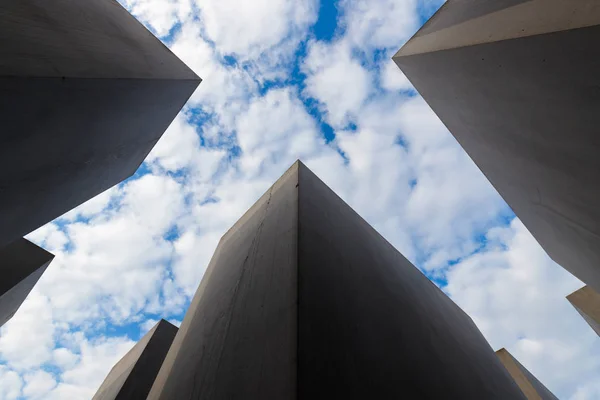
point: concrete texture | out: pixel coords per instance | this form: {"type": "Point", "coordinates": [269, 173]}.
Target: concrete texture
{"type": "Point", "coordinates": [587, 303]}
{"type": "Point", "coordinates": [87, 91]}
{"type": "Point", "coordinates": [22, 263]}
{"type": "Point", "coordinates": [132, 377]}
{"type": "Point", "coordinates": [517, 86]}
{"type": "Point", "coordinates": [304, 300]}
{"type": "Point", "coordinates": [529, 385]}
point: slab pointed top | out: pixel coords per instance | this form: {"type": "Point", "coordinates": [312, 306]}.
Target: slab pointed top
{"type": "Point", "coordinates": [290, 173]}
{"type": "Point", "coordinates": [529, 384]}
{"type": "Point", "coordinates": [18, 260]}
{"type": "Point", "coordinates": [460, 23]}
{"type": "Point", "coordinates": [587, 303]}
{"type": "Point", "coordinates": [133, 375]}
{"type": "Point", "coordinates": [81, 39]}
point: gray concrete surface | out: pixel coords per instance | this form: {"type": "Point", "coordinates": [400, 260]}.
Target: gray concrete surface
{"type": "Point", "coordinates": [531, 387]}
{"type": "Point", "coordinates": [131, 378]}
{"type": "Point", "coordinates": [518, 89]}
{"type": "Point", "coordinates": [85, 93]}
{"type": "Point", "coordinates": [587, 303]}
{"type": "Point", "coordinates": [303, 299]}
{"type": "Point", "coordinates": [22, 263]}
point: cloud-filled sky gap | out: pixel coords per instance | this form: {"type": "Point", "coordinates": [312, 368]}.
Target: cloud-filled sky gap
{"type": "Point", "coordinates": [284, 80]}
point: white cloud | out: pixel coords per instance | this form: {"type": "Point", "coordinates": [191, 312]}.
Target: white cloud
{"type": "Point", "coordinates": [516, 295]}
{"type": "Point", "coordinates": [159, 15]}
{"type": "Point", "coordinates": [337, 80]}
{"type": "Point", "coordinates": [392, 78]}
{"type": "Point", "coordinates": [27, 339]}
{"type": "Point", "coordinates": [10, 384]}
{"type": "Point", "coordinates": [96, 359]}
{"type": "Point", "coordinates": [248, 28]}
{"type": "Point", "coordinates": [380, 24]}
{"type": "Point", "coordinates": [38, 384]}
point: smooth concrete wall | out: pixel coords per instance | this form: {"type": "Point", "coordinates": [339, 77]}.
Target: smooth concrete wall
{"type": "Point", "coordinates": [525, 108]}
{"type": "Point", "coordinates": [529, 384]}
{"type": "Point", "coordinates": [131, 378]}
{"type": "Point", "coordinates": [303, 299]}
{"type": "Point", "coordinates": [587, 303]}
{"type": "Point", "coordinates": [22, 263]}
{"type": "Point", "coordinates": [87, 91]}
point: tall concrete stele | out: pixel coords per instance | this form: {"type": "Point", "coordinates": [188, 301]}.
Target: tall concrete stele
{"type": "Point", "coordinates": [531, 387]}
{"type": "Point", "coordinates": [303, 299]}
{"type": "Point", "coordinates": [85, 93]}
{"type": "Point", "coordinates": [132, 377]}
{"type": "Point", "coordinates": [587, 303]}
{"type": "Point", "coordinates": [22, 263]}
{"type": "Point", "coordinates": [516, 82]}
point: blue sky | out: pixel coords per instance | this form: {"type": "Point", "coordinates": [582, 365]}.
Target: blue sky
{"type": "Point", "coordinates": [284, 80]}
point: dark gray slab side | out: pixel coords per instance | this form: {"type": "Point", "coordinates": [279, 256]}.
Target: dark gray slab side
{"type": "Point", "coordinates": [132, 377]}
{"type": "Point", "coordinates": [526, 111]}
{"type": "Point", "coordinates": [86, 92]}
{"type": "Point", "coordinates": [22, 263]}
{"type": "Point", "coordinates": [303, 299]}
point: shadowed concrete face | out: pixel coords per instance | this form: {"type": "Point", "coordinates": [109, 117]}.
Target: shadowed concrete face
{"type": "Point", "coordinates": [132, 377]}
{"type": "Point", "coordinates": [530, 386]}
{"type": "Point", "coordinates": [303, 299]}
{"type": "Point", "coordinates": [518, 89]}
{"type": "Point", "coordinates": [22, 263]}
{"type": "Point", "coordinates": [587, 303]}
{"type": "Point", "coordinates": [87, 91]}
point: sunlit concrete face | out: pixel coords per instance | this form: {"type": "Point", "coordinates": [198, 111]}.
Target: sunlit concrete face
{"type": "Point", "coordinates": [86, 93]}
{"type": "Point", "coordinates": [531, 387]}
{"type": "Point", "coordinates": [304, 299]}
{"type": "Point", "coordinates": [516, 82]}
{"type": "Point", "coordinates": [22, 263]}
{"type": "Point", "coordinates": [132, 377]}
{"type": "Point", "coordinates": [587, 303]}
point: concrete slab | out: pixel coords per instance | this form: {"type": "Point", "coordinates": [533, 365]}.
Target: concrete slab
{"type": "Point", "coordinates": [132, 377]}
{"type": "Point", "coordinates": [587, 303]}
{"type": "Point", "coordinates": [529, 384]}
{"type": "Point", "coordinates": [22, 263]}
{"type": "Point", "coordinates": [517, 86]}
{"type": "Point", "coordinates": [304, 300]}
{"type": "Point", "coordinates": [87, 91]}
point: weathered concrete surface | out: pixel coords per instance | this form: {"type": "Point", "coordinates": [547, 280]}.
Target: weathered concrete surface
{"type": "Point", "coordinates": [131, 378]}
{"type": "Point", "coordinates": [86, 93]}
{"type": "Point", "coordinates": [518, 88]}
{"type": "Point", "coordinates": [303, 299]}
{"type": "Point", "coordinates": [587, 303]}
{"type": "Point", "coordinates": [529, 384]}
{"type": "Point", "coordinates": [22, 263]}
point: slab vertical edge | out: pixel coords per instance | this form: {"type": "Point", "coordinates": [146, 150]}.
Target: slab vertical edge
{"type": "Point", "coordinates": [22, 263]}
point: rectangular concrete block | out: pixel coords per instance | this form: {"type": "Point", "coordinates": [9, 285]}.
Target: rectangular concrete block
{"type": "Point", "coordinates": [22, 263]}
{"type": "Point", "coordinates": [529, 384]}
{"type": "Point", "coordinates": [587, 303]}
{"type": "Point", "coordinates": [516, 82]}
{"type": "Point", "coordinates": [87, 91]}
{"type": "Point", "coordinates": [303, 299]}
{"type": "Point", "coordinates": [132, 377]}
